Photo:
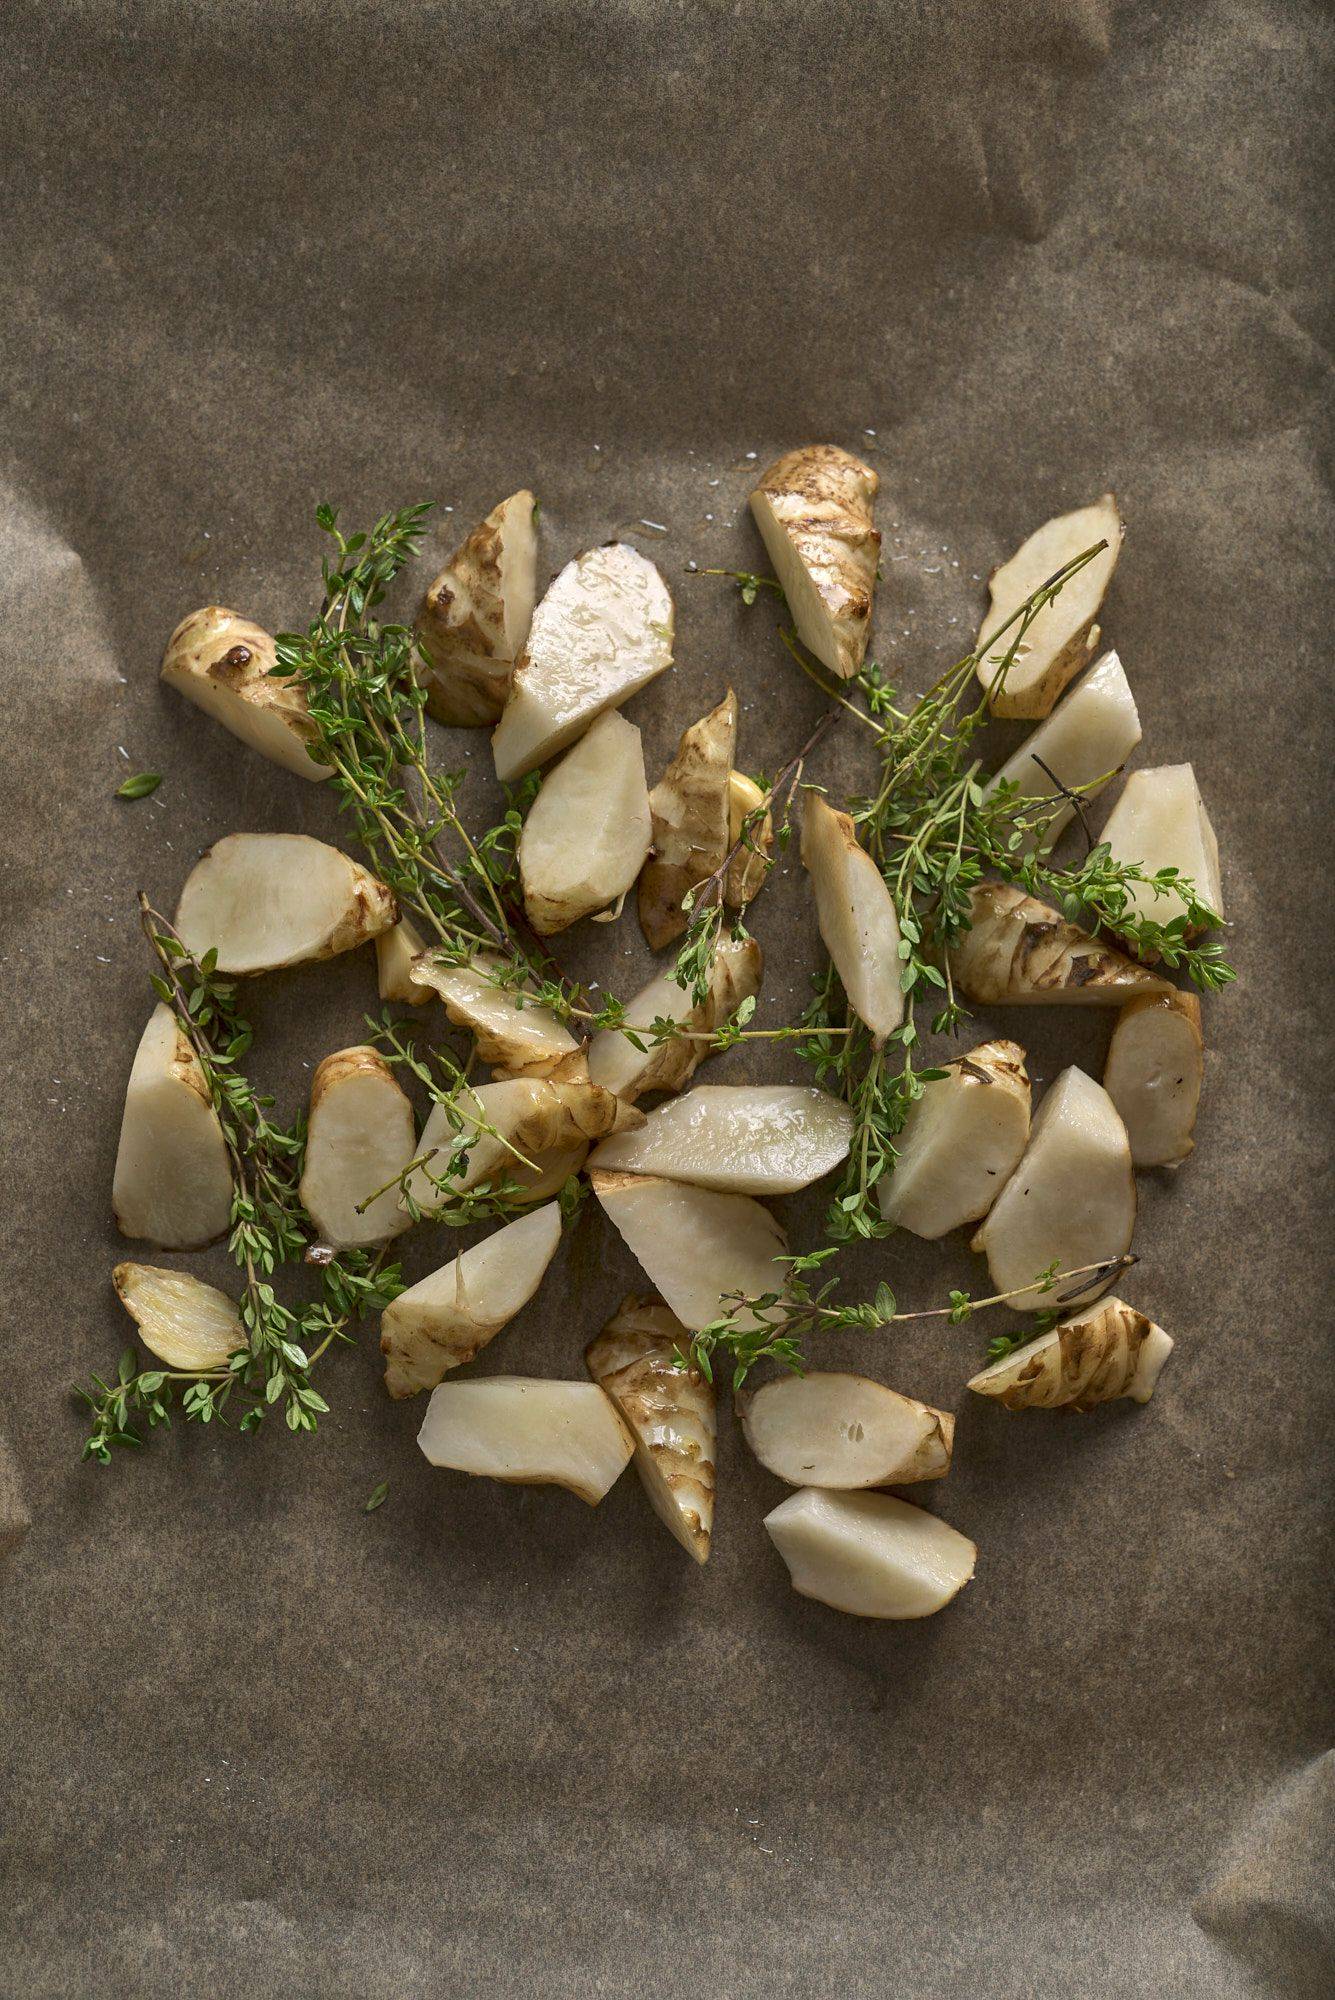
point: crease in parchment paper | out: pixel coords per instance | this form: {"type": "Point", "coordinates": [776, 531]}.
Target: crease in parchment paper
{"type": "Point", "coordinates": [1270, 1897]}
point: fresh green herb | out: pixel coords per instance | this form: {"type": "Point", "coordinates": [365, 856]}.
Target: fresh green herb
{"type": "Point", "coordinates": [747, 582]}
{"type": "Point", "coordinates": [377, 1498]}
{"type": "Point", "coordinates": [140, 785]}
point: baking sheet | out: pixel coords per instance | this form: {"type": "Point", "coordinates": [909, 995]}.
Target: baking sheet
{"type": "Point", "coordinates": [257, 1742]}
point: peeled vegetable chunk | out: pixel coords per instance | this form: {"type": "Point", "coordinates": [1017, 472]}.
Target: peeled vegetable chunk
{"type": "Point", "coordinates": [475, 618]}
{"type": "Point", "coordinates": [518, 1130]}
{"type": "Point", "coordinates": [695, 1245]}
{"type": "Point", "coordinates": [750, 1138]}
{"type": "Point", "coordinates": [670, 1412]}
{"type": "Point", "coordinates": [222, 663]}
{"type": "Point", "coordinates": [1084, 742]}
{"type": "Point", "coordinates": [813, 508]}
{"type": "Point", "coordinates": [750, 866]}
{"type": "Point", "coordinates": [528, 1432]}
{"type": "Point", "coordinates": [1063, 635]}
{"type": "Point", "coordinates": [845, 1431]}
{"type": "Point", "coordinates": [1071, 1201]}
{"type": "Point", "coordinates": [1160, 821]}
{"type": "Point", "coordinates": [1107, 1351]}
{"type": "Point", "coordinates": [186, 1323]}
{"type": "Point", "coordinates": [450, 1316]}
{"type": "Point", "coordinates": [395, 951]}
{"type": "Point", "coordinates": [1153, 1075]}
{"type": "Point", "coordinates": [265, 900]}
{"type": "Point", "coordinates": [1020, 953]}
{"type": "Point", "coordinates": [856, 915]}
{"type": "Point", "coordinates": [173, 1180]}
{"type": "Point", "coordinates": [618, 1065]}
{"type": "Point", "coordinates": [603, 630]}
{"type": "Point", "coordinates": [870, 1554]}
{"type": "Point", "coordinates": [587, 832]}
{"type": "Point", "coordinates": [961, 1142]}
{"type": "Point", "coordinates": [689, 805]}
{"type": "Point", "coordinates": [513, 1033]}
{"type": "Point", "coordinates": [359, 1138]}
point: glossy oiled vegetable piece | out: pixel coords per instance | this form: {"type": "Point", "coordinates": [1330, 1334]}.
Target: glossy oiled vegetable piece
{"type": "Point", "coordinates": [616, 1062]}
{"type": "Point", "coordinates": [1153, 1075]}
{"type": "Point", "coordinates": [451, 1315]}
{"type": "Point", "coordinates": [267, 900]}
{"type": "Point", "coordinates": [813, 508]}
{"type": "Point", "coordinates": [757, 1138]}
{"type": "Point", "coordinates": [1106, 1351]}
{"type": "Point", "coordinates": [696, 1246]}
{"type": "Point", "coordinates": [522, 1130]}
{"type": "Point", "coordinates": [186, 1323]}
{"type": "Point", "coordinates": [475, 617]}
{"type": "Point", "coordinates": [173, 1180]}
{"type": "Point", "coordinates": [870, 1554]}
{"type": "Point", "coordinates": [529, 1432]}
{"type": "Point", "coordinates": [670, 1411]}
{"type": "Point", "coordinates": [843, 1431]}
{"type": "Point", "coordinates": [1063, 635]}
{"type": "Point", "coordinates": [856, 915]}
{"type": "Point", "coordinates": [224, 664]}
{"type": "Point", "coordinates": [689, 805]}
{"type": "Point", "coordinates": [1083, 743]}
{"type": "Point", "coordinates": [395, 951]}
{"type": "Point", "coordinates": [516, 1035]}
{"type": "Point", "coordinates": [961, 1142]}
{"type": "Point", "coordinates": [1020, 953]}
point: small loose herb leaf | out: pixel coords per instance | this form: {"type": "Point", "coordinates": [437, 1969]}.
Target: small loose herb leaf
{"type": "Point", "coordinates": [140, 785]}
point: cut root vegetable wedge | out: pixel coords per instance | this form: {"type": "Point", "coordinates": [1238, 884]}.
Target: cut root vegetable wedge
{"type": "Point", "coordinates": [528, 1432]}
{"type": "Point", "coordinates": [870, 1554]}
{"type": "Point", "coordinates": [1064, 634]}
{"type": "Point", "coordinates": [1160, 821]}
{"type": "Point", "coordinates": [845, 1431]}
{"type": "Point", "coordinates": [697, 1247]}
{"type": "Point", "coordinates": [1107, 1351]}
{"type": "Point", "coordinates": [1020, 953]}
{"type": "Point", "coordinates": [587, 832]}
{"type": "Point", "coordinates": [475, 618]}
{"type": "Point", "coordinates": [1084, 742]}
{"type": "Point", "coordinates": [760, 1138]}
{"type": "Point", "coordinates": [395, 951]}
{"type": "Point", "coordinates": [961, 1142]}
{"type": "Point", "coordinates": [186, 1323]}
{"type": "Point", "coordinates": [173, 1181]}
{"type": "Point", "coordinates": [748, 817]}
{"type": "Point", "coordinates": [603, 630]}
{"type": "Point", "coordinates": [670, 1412]}
{"type": "Point", "coordinates": [450, 1316]}
{"type": "Point", "coordinates": [520, 1130]}
{"type": "Point", "coordinates": [223, 664]}
{"type": "Point", "coordinates": [856, 914]}
{"type": "Point", "coordinates": [513, 1033]}
{"type": "Point", "coordinates": [813, 508]}
{"type": "Point", "coordinates": [266, 900]}
{"type": "Point", "coordinates": [1153, 1075]}
{"type": "Point", "coordinates": [359, 1139]}
{"type": "Point", "coordinates": [689, 805]}
{"type": "Point", "coordinates": [1070, 1202]}
{"type": "Point", "coordinates": [616, 1063]}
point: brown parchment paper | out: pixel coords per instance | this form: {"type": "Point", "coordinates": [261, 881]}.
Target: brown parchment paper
{"type": "Point", "coordinates": [256, 1742]}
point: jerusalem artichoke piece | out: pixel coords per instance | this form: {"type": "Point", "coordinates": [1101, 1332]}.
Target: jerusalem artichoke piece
{"type": "Point", "coordinates": [856, 915]}
{"type": "Point", "coordinates": [747, 816]}
{"type": "Point", "coordinates": [961, 1142]}
{"type": "Point", "coordinates": [689, 805]}
{"type": "Point", "coordinates": [475, 618]}
{"type": "Point", "coordinates": [173, 1180]}
{"type": "Point", "coordinates": [522, 1130]}
{"type": "Point", "coordinates": [266, 900]}
{"type": "Point", "coordinates": [514, 1034]}
{"type": "Point", "coordinates": [185, 1322]}
{"type": "Point", "coordinates": [1107, 1351]}
{"type": "Point", "coordinates": [588, 830]}
{"type": "Point", "coordinates": [1020, 953]}
{"type": "Point", "coordinates": [224, 664]}
{"type": "Point", "coordinates": [1064, 634]}
{"type": "Point", "coordinates": [696, 1246]}
{"type": "Point", "coordinates": [670, 1412]}
{"type": "Point", "coordinates": [395, 951]}
{"type": "Point", "coordinates": [1160, 821]}
{"type": "Point", "coordinates": [358, 1140]}
{"type": "Point", "coordinates": [527, 1432]}
{"type": "Point", "coordinates": [844, 1431]}
{"type": "Point", "coordinates": [750, 1138]}
{"type": "Point", "coordinates": [1153, 1075]}
{"type": "Point", "coordinates": [870, 1554]}
{"type": "Point", "coordinates": [1082, 744]}
{"type": "Point", "coordinates": [813, 508]}
{"type": "Point", "coordinates": [451, 1315]}
{"type": "Point", "coordinates": [616, 1063]}
{"type": "Point", "coordinates": [603, 630]}
{"type": "Point", "coordinates": [1070, 1202]}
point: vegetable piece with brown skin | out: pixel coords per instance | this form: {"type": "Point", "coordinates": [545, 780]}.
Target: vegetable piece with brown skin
{"type": "Point", "coordinates": [689, 806]}
{"type": "Point", "coordinates": [1107, 1351]}
{"type": "Point", "coordinates": [1153, 1075]}
{"type": "Point", "coordinates": [359, 1138]}
{"type": "Point", "coordinates": [813, 508]}
{"type": "Point", "coordinates": [505, 1125]}
{"type": "Point", "coordinates": [749, 868]}
{"type": "Point", "coordinates": [224, 664]}
{"type": "Point", "coordinates": [395, 951]}
{"type": "Point", "coordinates": [1018, 952]}
{"type": "Point", "coordinates": [844, 1431]}
{"type": "Point", "coordinates": [961, 1142]}
{"type": "Point", "coordinates": [1064, 634]}
{"type": "Point", "coordinates": [516, 1035]}
{"type": "Point", "coordinates": [670, 1411]}
{"type": "Point", "coordinates": [615, 1062]}
{"type": "Point", "coordinates": [264, 901]}
{"type": "Point", "coordinates": [451, 1315]}
{"type": "Point", "coordinates": [475, 618]}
